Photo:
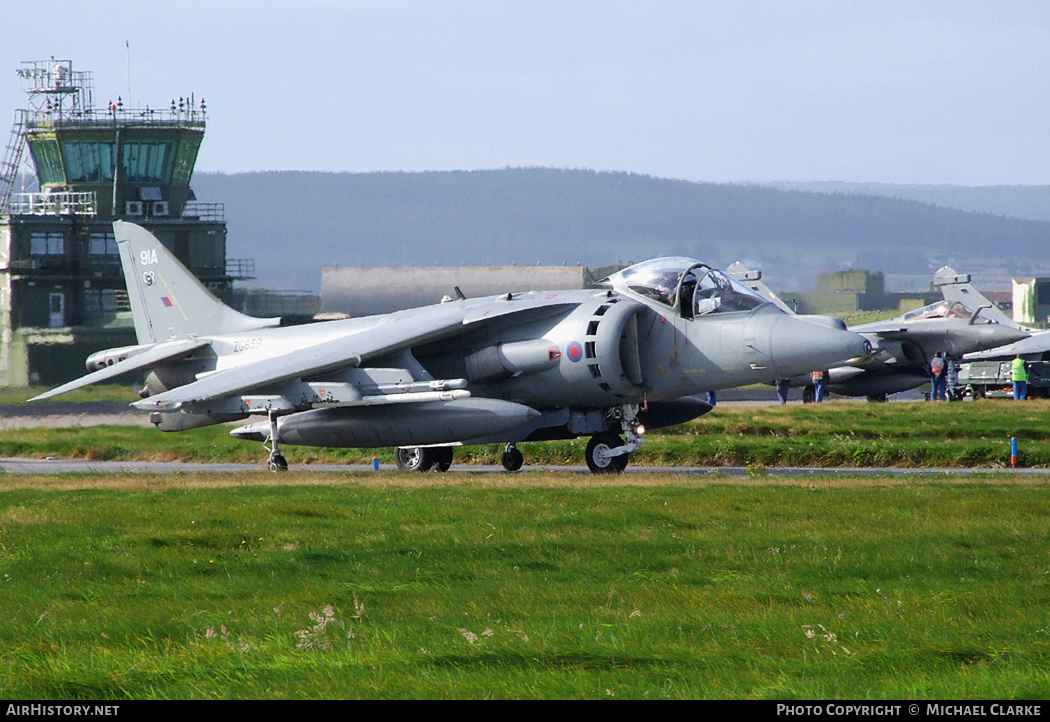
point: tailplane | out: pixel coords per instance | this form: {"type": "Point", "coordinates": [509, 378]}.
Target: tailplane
{"type": "Point", "coordinates": [167, 301]}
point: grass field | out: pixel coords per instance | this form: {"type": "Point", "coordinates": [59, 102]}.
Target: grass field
{"type": "Point", "coordinates": [538, 585]}
{"type": "Point", "coordinates": [966, 434]}
{"type": "Point", "coordinates": [523, 586]}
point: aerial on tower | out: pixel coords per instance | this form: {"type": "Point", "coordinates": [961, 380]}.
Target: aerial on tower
{"type": "Point", "coordinates": [111, 160]}
{"type": "Point", "coordinates": [54, 90]}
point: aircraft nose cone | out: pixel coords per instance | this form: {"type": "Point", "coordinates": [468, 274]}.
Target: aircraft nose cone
{"type": "Point", "coordinates": [802, 346]}
{"type": "Point", "coordinates": [994, 335]}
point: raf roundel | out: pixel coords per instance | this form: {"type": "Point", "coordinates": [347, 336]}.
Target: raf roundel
{"type": "Point", "coordinates": [575, 352]}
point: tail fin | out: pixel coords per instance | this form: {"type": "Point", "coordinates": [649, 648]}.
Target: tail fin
{"type": "Point", "coordinates": [753, 280]}
{"type": "Point", "coordinates": [957, 287]}
{"type": "Point", "coordinates": [167, 301]}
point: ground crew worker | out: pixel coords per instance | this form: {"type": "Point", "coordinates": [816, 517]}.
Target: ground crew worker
{"type": "Point", "coordinates": [953, 379]}
{"type": "Point", "coordinates": [1020, 379]}
{"type": "Point", "coordinates": [782, 390]}
{"type": "Point", "coordinates": [820, 380]}
{"type": "Point", "coordinates": [938, 372]}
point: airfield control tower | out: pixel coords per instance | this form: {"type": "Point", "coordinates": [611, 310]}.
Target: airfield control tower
{"type": "Point", "coordinates": [62, 292]}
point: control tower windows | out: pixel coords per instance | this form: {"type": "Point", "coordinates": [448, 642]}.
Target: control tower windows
{"type": "Point", "coordinates": [102, 244]}
{"type": "Point", "coordinates": [100, 300]}
{"type": "Point", "coordinates": [48, 162]}
{"type": "Point", "coordinates": [47, 244]}
{"type": "Point", "coordinates": [89, 161]}
{"type": "Point", "coordinates": [149, 161]}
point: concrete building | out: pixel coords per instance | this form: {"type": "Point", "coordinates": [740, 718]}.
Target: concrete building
{"type": "Point", "coordinates": [1031, 300]}
{"type": "Point", "coordinates": [849, 292]}
{"type": "Point", "coordinates": [62, 292]}
{"type": "Point", "coordinates": [369, 291]}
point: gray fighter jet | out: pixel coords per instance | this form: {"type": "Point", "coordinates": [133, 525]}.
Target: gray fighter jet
{"type": "Point", "coordinates": [957, 287]}
{"type": "Point", "coordinates": [904, 346]}
{"type": "Point", "coordinates": [505, 369]}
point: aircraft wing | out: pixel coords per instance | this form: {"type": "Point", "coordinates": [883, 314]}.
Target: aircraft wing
{"type": "Point", "coordinates": [399, 333]}
{"type": "Point", "coordinates": [150, 357]}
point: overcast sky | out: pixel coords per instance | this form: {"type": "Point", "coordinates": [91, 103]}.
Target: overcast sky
{"type": "Point", "coordinates": [921, 91]}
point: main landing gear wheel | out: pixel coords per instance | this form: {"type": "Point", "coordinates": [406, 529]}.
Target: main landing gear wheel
{"type": "Point", "coordinates": [512, 459]}
{"type": "Point", "coordinates": [419, 458]}
{"type": "Point", "coordinates": [442, 458]}
{"type": "Point", "coordinates": [598, 448]}
{"type": "Point", "coordinates": [809, 395]}
{"type": "Point", "coordinates": [276, 463]}
{"type": "Point", "coordinates": [413, 458]}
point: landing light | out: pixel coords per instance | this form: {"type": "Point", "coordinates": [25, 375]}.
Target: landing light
{"type": "Point", "coordinates": [639, 429]}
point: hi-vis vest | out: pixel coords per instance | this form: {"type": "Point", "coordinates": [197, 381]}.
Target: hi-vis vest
{"type": "Point", "coordinates": [817, 377]}
{"type": "Point", "coordinates": [1019, 371]}
{"type": "Point", "coordinates": [937, 365]}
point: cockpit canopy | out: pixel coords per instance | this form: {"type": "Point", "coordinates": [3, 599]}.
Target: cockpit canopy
{"type": "Point", "coordinates": [690, 287]}
{"type": "Point", "coordinates": [941, 309]}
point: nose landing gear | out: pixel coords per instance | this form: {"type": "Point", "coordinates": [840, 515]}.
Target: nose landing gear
{"type": "Point", "coordinates": [606, 451]}
{"type": "Point", "coordinates": [604, 455]}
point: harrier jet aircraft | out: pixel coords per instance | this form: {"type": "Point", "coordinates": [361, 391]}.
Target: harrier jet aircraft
{"type": "Point", "coordinates": [522, 366]}
{"type": "Point", "coordinates": [904, 345]}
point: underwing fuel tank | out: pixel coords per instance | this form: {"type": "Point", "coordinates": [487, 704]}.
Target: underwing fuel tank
{"type": "Point", "coordinates": [877, 384]}
{"type": "Point", "coordinates": [423, 424]}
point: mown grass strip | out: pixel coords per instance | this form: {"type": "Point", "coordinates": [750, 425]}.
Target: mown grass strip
{"type": "Point", "coordinates": [450, 586]}
{"type": "Point", "coordinates": [832, 434]}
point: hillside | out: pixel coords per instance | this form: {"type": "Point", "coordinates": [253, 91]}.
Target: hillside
{"type": "Point", "coordinates": [294, 223]}
{"type": "Point", "coordinates": [1027, 202]}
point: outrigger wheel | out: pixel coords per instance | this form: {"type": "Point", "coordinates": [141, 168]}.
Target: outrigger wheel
{"type": "Point", "coordinates": [275, 462]}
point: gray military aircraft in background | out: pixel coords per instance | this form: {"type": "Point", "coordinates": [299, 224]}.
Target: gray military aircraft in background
{"type": "Point", "coordinates": [505, 369]}
{"type": "Point", "coordinates": [957, 287]}
{"type": "Point", "coordinates": [904, 345]}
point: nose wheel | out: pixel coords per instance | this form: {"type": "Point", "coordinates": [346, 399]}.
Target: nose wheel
{"type": "Point", "coordinates": [601, 454]}
{"type": "Point", "coordinates": [607, 453]}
